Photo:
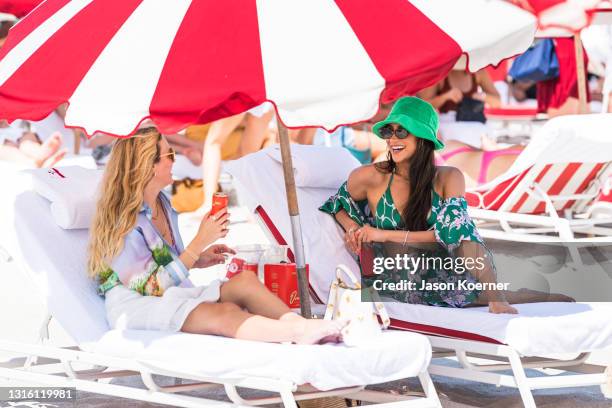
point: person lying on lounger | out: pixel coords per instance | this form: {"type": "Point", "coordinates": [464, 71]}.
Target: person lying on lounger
{"type": "Point", "coordinates": [412, 201]}
{"type": "Point", "coordinates": [478, 166]}
{"type": "Point", "coordinates": [21, 146]}
{"type": "Point", "coordinates": [137, 256]}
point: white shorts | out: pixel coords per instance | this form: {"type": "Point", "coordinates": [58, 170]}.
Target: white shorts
{"type": "Point", "coordinates": [127, 309]}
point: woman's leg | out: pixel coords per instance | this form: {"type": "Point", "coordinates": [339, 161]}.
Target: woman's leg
{"type": "Point", "coordinates": [248, 292]}
{"type": "Point", "coordinates": [254, 132]}
{"type": "Point", "coordinates": [217, 135]}
{"type": "Point", "coordinates": [13, 154]}
{"type": "Point", "coordinates": [229, 320]}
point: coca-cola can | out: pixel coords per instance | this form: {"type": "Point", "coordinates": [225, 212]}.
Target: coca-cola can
{"type": "Point", "coordinates": [220, 201]}
{"type": "Point", "coordinates": [235, 266]}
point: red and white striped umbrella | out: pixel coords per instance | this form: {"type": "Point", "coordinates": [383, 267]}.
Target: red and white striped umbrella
{"type": "Point", "coordinates": [321, 62]}
{"type": "Point", "coordinates": [572, 15]}
{"type": "Point", "coordinates": [18, 8]}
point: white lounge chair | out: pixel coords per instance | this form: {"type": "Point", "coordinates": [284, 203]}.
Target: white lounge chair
{"type": "Point", "coordinates": [54, 260]}
{"type": "Point", "coordinates": [508, 342]}
{"type": "Point", "coordinates": [548, 193]}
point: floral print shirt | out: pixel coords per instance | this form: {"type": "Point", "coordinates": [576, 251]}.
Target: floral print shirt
{"type": "Point", "coordinates": [453, 228]}
{"type": "Point", "coordinates": [147, 264]}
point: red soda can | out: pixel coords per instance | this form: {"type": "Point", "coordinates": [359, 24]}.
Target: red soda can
{"type": "Point", "coordinates": [235, 266]}
{"type": "Point", "coordinates": [220, 201]}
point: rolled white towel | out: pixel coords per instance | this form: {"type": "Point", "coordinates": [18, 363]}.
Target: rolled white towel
{"type": "Point", "coordinates": [72, 191]}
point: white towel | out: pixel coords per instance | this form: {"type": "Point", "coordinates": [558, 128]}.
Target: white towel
{"type": "Point", "coordinates": [72, 191]}
{"type": "Point", "coordinates": [318, 166]}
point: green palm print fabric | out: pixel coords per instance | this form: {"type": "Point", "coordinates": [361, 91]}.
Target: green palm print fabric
{"type": "Point", "coordinates": [451, 225]}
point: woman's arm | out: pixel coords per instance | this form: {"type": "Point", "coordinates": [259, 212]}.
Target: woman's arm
{"type": "Point", "coordinates": [345, 221]}
{"type": "Point", "coordinates": [371, 234]}
{"type": "Point", "coordinates": [436, 99]}
{"type": "Point", "coordinates": [452, 182]}
{"type": "Point", "coordinates": [491, 96]}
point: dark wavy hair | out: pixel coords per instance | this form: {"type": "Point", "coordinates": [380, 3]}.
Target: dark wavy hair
{"type": "Point", "coordinates": [422, 171]}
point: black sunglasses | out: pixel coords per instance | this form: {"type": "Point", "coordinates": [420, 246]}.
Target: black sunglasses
{"type": "Point", "coordinates": [387, 132]}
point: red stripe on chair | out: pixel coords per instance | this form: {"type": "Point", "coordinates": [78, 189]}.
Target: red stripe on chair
{"type": "Point", "coordinates": [191, 74]}
{"type": "Point", "coordinates": [278, 237]}
{"type": "Point", "coordinates": [525, 196]}
{"type": "Point", "coordinates": [440, 331]}
{"type": "Point", "coordinates": [492, 199]}
{"type": "Point", "coordinates": [508, 112]}
{"type": "Point", "coordinates": [558, 185]}
{"type": "Point", "coordinates": [585, 183]}
{"type": "Point", "coordinates": [29, 94]}
{"type": "Point", "coordinates": [499, 194]}
{"type": "Point", "coordinates": [384, 30]}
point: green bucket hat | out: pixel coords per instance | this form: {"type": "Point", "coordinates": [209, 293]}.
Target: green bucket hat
{"type": "Point", "coordinates": [416, 116]}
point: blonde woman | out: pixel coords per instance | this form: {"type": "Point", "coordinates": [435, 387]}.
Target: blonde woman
{"type": "Point", "coordinates": [142, 267]}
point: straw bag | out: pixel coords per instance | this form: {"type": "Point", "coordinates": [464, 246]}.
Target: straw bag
{"type": "Point", "coordinates": [345, 303]}
{"type": "Point", "coordinates": [187, 195]}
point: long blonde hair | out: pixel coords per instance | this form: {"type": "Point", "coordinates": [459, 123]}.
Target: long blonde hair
{"type": "Point", "coordinates": [127, 172]}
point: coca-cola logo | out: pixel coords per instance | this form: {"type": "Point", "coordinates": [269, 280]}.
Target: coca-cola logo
{"type": "Point", "coordinates": [293, 297]}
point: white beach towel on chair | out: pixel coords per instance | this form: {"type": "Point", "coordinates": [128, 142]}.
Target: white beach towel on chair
{"type": "Point", "coordinates": [72, 191]}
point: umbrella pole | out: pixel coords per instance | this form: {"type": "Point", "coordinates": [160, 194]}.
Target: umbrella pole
{"type": "Point", "coordinates": [580, 75]}
{"type": "Point", "coordinates": [296, 227]}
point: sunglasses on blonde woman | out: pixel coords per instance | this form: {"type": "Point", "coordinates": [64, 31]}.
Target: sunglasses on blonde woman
{"type": "Point", "coordinates": [171, 153]}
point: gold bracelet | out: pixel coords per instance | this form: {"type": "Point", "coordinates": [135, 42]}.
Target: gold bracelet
{"type": "Point", "coordinates": [191, 254]}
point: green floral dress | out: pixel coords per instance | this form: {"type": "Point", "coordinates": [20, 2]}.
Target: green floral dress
{"type": "Point", "coordinates": [453, 228]}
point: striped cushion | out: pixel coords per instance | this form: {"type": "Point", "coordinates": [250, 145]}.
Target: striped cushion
{"type": "Point", "coordinates": [554, 179]}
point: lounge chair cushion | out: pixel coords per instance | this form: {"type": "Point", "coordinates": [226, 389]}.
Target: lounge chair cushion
{"type": "Point", "coordinates": [392, 356]}
{"type": "Point", "coordinates": [540, 328]}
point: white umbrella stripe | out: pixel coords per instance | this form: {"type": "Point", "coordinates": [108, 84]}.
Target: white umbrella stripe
{"type": "Point", "coordinates": [311, 55]}
{"type": "Point", "coordinates": [487, 46]}
{"type": "Point", "coordinates": [121, 82]}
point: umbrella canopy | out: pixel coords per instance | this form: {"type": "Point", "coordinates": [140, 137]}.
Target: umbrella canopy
{"type": "Point", "coordinates": [18, 8]}
{"type": "Point", "coordinates": [321, 62]}
{"type": "Point", "coordinates": [572, 15]}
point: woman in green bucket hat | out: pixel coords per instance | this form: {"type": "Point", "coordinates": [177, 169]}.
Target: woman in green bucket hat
{"type": "Point", "coordinates": [408, 205]}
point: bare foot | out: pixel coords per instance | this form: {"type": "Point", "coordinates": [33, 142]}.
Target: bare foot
{"type": "Point", "coordinates": [501, 307]}
{"type": "Point", "coordinates": [48, 149]}
{"type": "Point", "coordinates": [52, 144]}
{"type": "Point", "coordinates": [51, 161]}
{"type": "Point", "coordinates": [312, 331]}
